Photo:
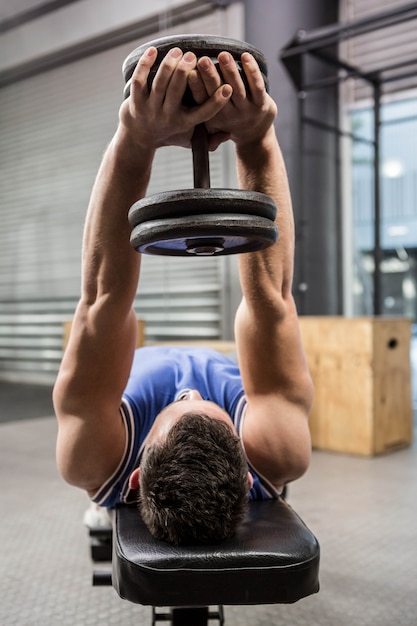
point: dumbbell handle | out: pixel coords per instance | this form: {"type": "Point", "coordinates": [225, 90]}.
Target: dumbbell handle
{"type": "Point", "coordinates": [201, 166]}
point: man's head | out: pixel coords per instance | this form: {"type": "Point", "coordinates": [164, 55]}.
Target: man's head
{"type": "Point", "coordinates": [194, 478]}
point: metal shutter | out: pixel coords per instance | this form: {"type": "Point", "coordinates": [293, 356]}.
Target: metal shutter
{"type": "Point", "coordinates": [386, 46]}
{"type": "Point", "coordinates": [53, 130]}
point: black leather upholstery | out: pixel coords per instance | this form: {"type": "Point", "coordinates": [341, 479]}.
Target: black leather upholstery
{"type": "Point", "coordinates": [274, 558]}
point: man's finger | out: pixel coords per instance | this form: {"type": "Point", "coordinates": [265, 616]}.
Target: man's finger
{"type": "Point", "coordinates": [209, 75]}
{"type": "Point", "coordinates": [216, 140]}
{"type": "Point", "coordinates": [212, 106]}
{"type": "Point", "coordinates": [179, 80]}
{"type": "Point", "coordinates": [139, 85]}
{"type": "Point", "coordinates": [197, 87]}
{"type": "Point", "coordinates": [232, 76]}
{"type": "Point", "coordinates": [254, 77]}
{"type": "Point", "coordinates": [164, 75]}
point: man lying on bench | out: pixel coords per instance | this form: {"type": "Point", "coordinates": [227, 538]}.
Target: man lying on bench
{"type": "Point", "coordinates": [185, 432]}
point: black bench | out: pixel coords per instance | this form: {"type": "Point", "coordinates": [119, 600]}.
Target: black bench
{"type": "Point", "coordinates": [273, 559]}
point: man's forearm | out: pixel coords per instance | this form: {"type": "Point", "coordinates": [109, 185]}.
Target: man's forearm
{"type": "Point", "coordinates": [261, 168]}
{"type": "Point", "coordinates": [110, 265]}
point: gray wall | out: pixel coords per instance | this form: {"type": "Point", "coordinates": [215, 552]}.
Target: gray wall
{"type": "Point", "coordinates": [58, 109]}
{"type": "Point", "coordinates": [269, 26]}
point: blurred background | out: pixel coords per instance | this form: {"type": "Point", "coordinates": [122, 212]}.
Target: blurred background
{"type": "Point", "coordinates": [347, 125]}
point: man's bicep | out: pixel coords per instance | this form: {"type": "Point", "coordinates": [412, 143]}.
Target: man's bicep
{"type": "Point", "coordinates": [89, 450]}
{"type": "Point", "coordinates": [87, 396]}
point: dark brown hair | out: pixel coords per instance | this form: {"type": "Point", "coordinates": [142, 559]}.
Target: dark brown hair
{"type": "Point", "coordinates": [194, 484]}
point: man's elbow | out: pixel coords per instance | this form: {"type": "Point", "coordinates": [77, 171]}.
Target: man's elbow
{"type": "Point", "coordinates": [294, 459]}
{"type": "Point", "coordinates": [73, 465]}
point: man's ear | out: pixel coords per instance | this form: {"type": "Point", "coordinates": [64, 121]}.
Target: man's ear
{"type": "Point", "coordinates": [250, 480]}
{"type": "Point", "coordinates": [134, 479]}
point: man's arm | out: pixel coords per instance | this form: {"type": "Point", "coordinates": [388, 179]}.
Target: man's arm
{"type": "Point", "coordinates": [97, 361]}
{"type": "Point", "coordinates": [271, 356]}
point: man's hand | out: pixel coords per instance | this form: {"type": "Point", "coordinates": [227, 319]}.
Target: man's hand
{"type": "Point", "coordinates": [248, 114]}
{"type": "Point", "coordinates": [158, 118]}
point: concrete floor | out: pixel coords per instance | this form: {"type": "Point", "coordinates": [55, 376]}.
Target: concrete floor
{"type": "Point", "coordinates": [363, 511]}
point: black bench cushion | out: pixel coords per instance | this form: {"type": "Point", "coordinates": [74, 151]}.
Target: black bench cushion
{"type": "Point", "coordinates": [274, 558]}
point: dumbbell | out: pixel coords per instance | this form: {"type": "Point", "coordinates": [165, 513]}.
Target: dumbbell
{"type": "Point", "coordinates": [202, 221]}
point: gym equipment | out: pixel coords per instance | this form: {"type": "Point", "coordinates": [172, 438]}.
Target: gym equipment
{"type": "Point", "coordinates": [202, 221]}
{"type": "Point", "coordinates": [273, 559]}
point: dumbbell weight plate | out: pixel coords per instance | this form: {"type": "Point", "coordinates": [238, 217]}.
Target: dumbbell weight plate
{"type": "Point", "coordinates": [185, 202]}
{"type": "Point", "coordinates": [204, 235]}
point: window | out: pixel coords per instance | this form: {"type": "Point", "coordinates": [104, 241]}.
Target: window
{"type": "Point", "coordinates": [398, 208]}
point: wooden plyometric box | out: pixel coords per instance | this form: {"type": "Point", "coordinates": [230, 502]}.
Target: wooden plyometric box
{"type": "Point", "coordinates": [361, 372]}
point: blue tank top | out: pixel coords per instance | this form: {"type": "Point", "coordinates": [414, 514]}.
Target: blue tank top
{"type": "Point", "coordinates": [159, 376]}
